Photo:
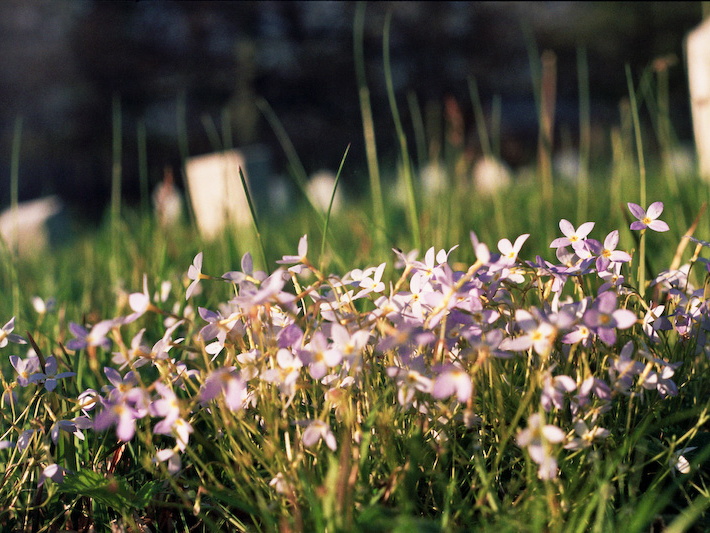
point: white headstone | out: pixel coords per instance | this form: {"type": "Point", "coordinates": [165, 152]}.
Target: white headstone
{"type": "Point", "coordinates": [698, 54]}
{"type": "Point", "coordinates": [490, 175]}
{"type": "Point", "coordinates": [320, 189]}
{"type": "Point", "coordinates": [216, 193]}
{"type": "Point", "coordinates": [26, 228]}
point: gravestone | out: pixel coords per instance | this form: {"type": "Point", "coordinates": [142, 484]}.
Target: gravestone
{"type": "Point", "coordinates": [320, 189]}
{"type": "Point", "coordinates": [698, 56]}
{"type": "Point", "coordinates": [216, 192]}
{"type": "Point", "coordinates": [34, 225]}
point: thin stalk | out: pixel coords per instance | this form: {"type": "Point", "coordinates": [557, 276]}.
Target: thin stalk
{"type": "Point", "coordinates": [14, 201]}
{"type": "Point", "coordinates": [418, 126]}
{"type": "Point", "coordinates": [212, 134]}
{"type": "Point", "coordinates": [483, 136]}
{"type": "Point", "coordinates": [485, 140]}
{"type": "Point", "coordinates": [254, 218]}
{"type": "Point", "coordinates": [227, 141]}
{"type": "Point", "coordinates": [412, 212]}
{"type": "Point", "coordinates": [637, 134]}
{"type": "Point", "coordinates": [141, 139]}
{"type": "Point", "coordinates": [496, 113]}
{"type": "Point", "coordinates": [368, 127]}
{"type": "Point", "coordinates": [183, 148]}
{"type": "Point", "coordinates": [641, 277]}
{"type": "Point", "coordinates": [330, 206]}
{"type": "Point", "coordinates": [584, 134]}
{"type": "Point", "coordinates": [116, 174]}
{"type": "Point", "coordinates": [298, 172]}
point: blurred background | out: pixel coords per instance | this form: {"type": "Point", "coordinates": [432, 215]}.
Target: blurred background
{"type": "Point", "coordinates": [182, 74]}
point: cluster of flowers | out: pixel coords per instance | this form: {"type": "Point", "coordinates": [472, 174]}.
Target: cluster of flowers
{"type": "Point", "coordinates": [431, 331]}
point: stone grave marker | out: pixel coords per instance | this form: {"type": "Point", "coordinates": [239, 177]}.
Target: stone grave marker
{"type": "Point", "coordinates": [216, 192]}
{"type": "Point", "coordinates": [34, 225]}
{"type": "Point", "coordinates": [698, 57]}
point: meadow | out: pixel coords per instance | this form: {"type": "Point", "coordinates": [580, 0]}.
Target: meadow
{"type": "Point", "coordinates": [531, 359]}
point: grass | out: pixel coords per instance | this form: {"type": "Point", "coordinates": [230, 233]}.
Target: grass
{"type": "Point", "coordinates": [443, 394]}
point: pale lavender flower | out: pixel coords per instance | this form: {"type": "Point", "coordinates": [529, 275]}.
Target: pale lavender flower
{"type": "Point", "coordinates": [117, 412]}
{"type": "Point", "coordinates": [538, 438]}
{"type": "Point", "coordinates": [679, 461]}
{"type": "Point", "coordinates": [554, 389]}
{"type": "Point", "coordinates": [227, 382]}
{"type": "Point", "coordinates": [452, 380]}
{"type": "Point", "coordinates": [25, 368]}
{"type": "Point", "coordinates": [316, 431]}
{"type": "Point", "coordinates": [319, 356]}
{"type": "Point", "coordinates": [585, 436]}
{"type": "Point", "coordinates": [6, 334]}
{"type": "Point", "coordinates": [604, 318]}
{"type": "Point", "coordinates": [409, 381]}
{"type": "Point", "coordinates": [286, 375]}
{"type": "Point", "coordinates": [50, 376]}
{"type": "Point", "coordinates": [609, 254]}
{"type": "Point", "coordinates": [194, 272]}
{"type": "Point", "coordinates": [509, 252]}
{"type": "Point", "coordinates": [72, 427]}
{"type": "Point", "coordinates": [172, 457]}
{"type": "Point", "coordinates": [296, 260]}
{"type": "Point", "coordinates": [54, 472]}
{"type": "Point", "coordinates": [590, 386]}
{"type": "Point", "coordinates": [25, 438]}
{"type": "Point", "coordinates": [166, 407]}
{"type": "Point", "coordinates": [648, 218]}
{"type": "Point", "coordinates": [539, 334]}
{"type": "Point", "coordinates": [654, 321]}
{"type": "Point", "coordinates": [572, 237]}
{"type": "Point", "coordinates": [662, 381]}
{"type": "Point", "coordinates": [96, 337]}
{"type": "Point", "coordinates": [88, 400]}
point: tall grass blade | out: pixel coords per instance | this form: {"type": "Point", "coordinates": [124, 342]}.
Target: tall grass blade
{"type": "Point", "coordinates": [412, 211]}
{"type": "Point", "coordinates": [641, 276]}
{"type": "Point", "coordinates": [298, 172]}
{"type": "Point", "coordinates": [418, 127]}
{"type": "Point", "coordinates": [485, 139]}
{"type": "Point", "coordinates": [330, 206]}
{"type": "Point", "coordinates": [142, 145]}
{"type": "Point", "coordinates": [116, 176]}
{"type": "Point", "coordinates": [368, 127]}
{"type": "Point", "coordinates": [14, 201]}
{"type": "Point", "coordinates": [184, 148]}
{"type": "Point", "coordinates": [254, 218]}
{"type": "Point", "coordinates": [211, 131]}
{"type": "Point", "coordinates": [584, 134]}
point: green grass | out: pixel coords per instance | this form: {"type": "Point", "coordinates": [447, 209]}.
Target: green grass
{"type": "Point", "coordinates": [439, 465]}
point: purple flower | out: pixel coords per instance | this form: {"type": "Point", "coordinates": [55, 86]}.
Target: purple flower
{"type": "Point", "coordinates": [572, 236]}
{"type": "Point", "coordinates": [25, 368]}
{"type": "Point", "coordinates": [509, 251]}
{"type": "Point", "coordinates": [554, 389]}
{"type": "Point", "coordinates": [648, 218]}
{"type": "Point", "coordinates": [6, 334]}
{"type": "Point", "coordinates": [54, 472]}
{"type": "Point", "coordinates": [538, 438]}
{"type": "Point", "coordinates": [610, 254]}
{"type": "Point", "coordinates": [195, 274]}
{"type": "Point", "coordinates": [96, 337]}
{"type": "Point", "coordinates": [50, 376]}
{"type": "Point", "coordinates": [453, 380]}
{"type": "Point", "coordinates": [319, 356]}
{"type": "Point", "coordinates": [316, 431]}
{"type": "Point", "coordinates": [603, 318]}
{"type": "Point", "coordinates": [227, 382]}
{"type": "Point", "coordinates": [117, 412]}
